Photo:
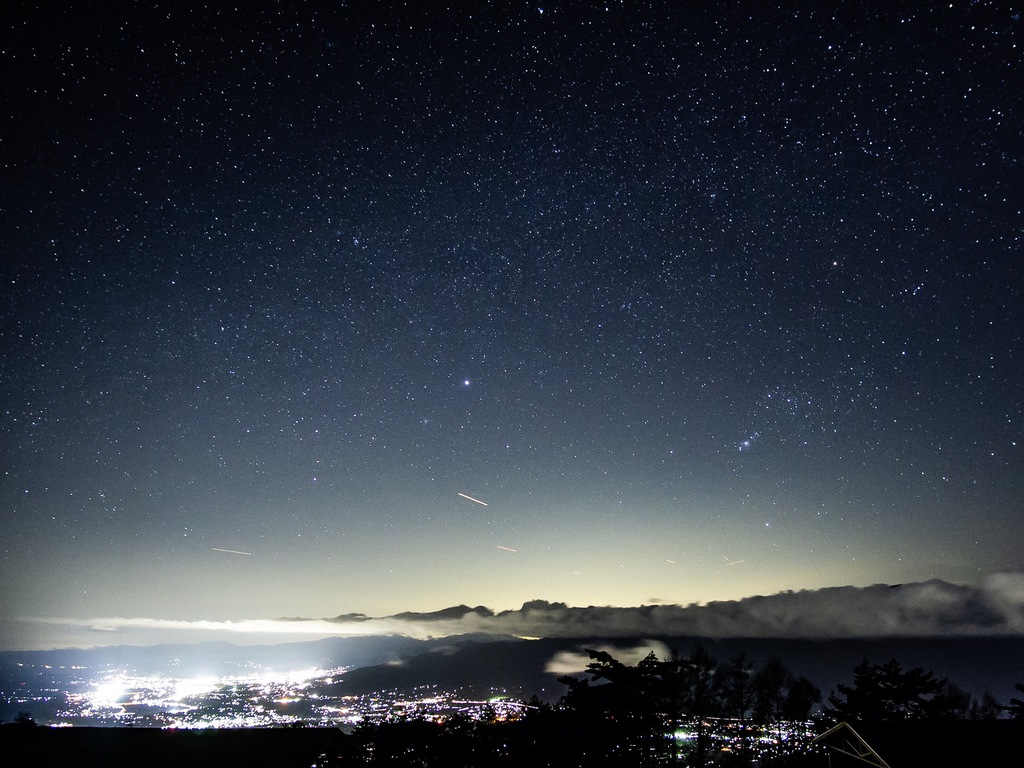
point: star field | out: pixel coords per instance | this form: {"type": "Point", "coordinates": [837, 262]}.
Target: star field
{"type": "Point", "coordinates": [669, 287]}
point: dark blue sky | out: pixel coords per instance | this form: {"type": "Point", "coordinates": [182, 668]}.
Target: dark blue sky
{"type": "Point", "coordinates": [703, 300]}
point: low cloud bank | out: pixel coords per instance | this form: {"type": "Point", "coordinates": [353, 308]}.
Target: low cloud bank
{"type": "Point", "coordinates": [930, 609]}
{"type": "Point", "coordinates": [574, 662]}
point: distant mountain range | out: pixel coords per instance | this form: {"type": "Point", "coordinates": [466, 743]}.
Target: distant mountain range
{"type": "Point", "coordinates": [930, 609]}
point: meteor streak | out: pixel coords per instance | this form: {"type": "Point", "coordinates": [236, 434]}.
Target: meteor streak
{"type": "Point", "coordinates": [507, 549]}
{"type": "Point", "coordinates": [230, 551]}
{"type": "Point", "coordinates": [484, 503]}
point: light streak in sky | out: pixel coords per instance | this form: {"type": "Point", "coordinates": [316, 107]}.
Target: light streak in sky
{"type": "Point", "coordinates": [507, 549]}
{"type": "Point", "coordinates": [732, 562]}
{"type": "Point", "coordinates": [230, 551]}
{"type": "Point", "coordinates": [484, 503]}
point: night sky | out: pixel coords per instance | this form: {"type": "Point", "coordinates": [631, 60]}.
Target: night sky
{"type": "Point", "coordinates": [702, 300]}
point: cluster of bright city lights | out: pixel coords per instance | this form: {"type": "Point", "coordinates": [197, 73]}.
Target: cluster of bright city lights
{"type": "Point", "coordinates": [118, 697]}
{"type": "Point", "coordinates": [264, 698]}
{"type": "Point", "coordinates": [63, 697]}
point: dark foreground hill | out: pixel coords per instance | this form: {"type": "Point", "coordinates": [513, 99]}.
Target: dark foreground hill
{"type": "Point", "coordinates": [935, 744]}
{"type": "Point", "coordinates": [480, 665]}
{"type": "Point", "coordinates": [525, 667]}
{"type": "Point", "coordinates": [902, 745]}
{"type": "Point", "coordinates": [155, 748]}
{"type": "Point", "coordinates": [219, 658]}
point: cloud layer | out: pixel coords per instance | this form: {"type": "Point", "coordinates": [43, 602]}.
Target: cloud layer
{"type": "Point", "coordinates": [929, 609]}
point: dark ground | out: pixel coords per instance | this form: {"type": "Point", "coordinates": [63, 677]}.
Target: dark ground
{"type": "Point", "coordinates": [155, 748]}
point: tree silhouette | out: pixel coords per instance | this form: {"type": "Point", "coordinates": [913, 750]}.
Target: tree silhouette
{"type": "Point", "coordinates": [988, 708]}
{"type": "Point", "coordinates": [800, 699]}
{"type": "Point", "coordinates": [951, 703]}
{"type": "Point", "coordinates": [701, 696]}
{"type": "Point", "coordinates": [778, 696]}
{"type": "Point", "coordinates": [887, 692]}
{"type": "Point", "coordinates": [770, 686]}
{"type": "Point", "coordinates": [640, 707]}
{"type": "Point", "coordinates": [627, 702]}
{"type": "Point", "coordinates": [1016, 706]}
{"type": "Point", "coordinates": [738, 699]}
{"type": "Point", "coordinates": [675, 698]}
{"type": "Point", "coordinates": [618, 715]}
